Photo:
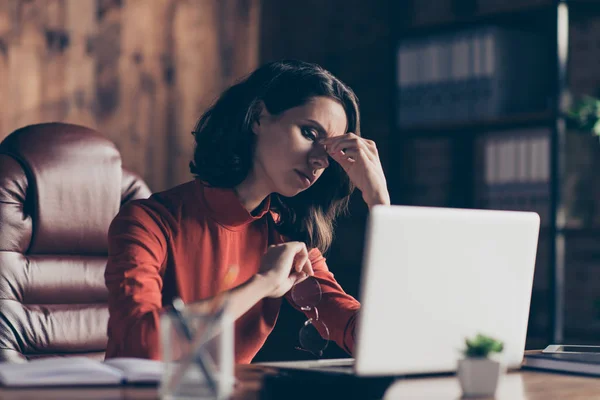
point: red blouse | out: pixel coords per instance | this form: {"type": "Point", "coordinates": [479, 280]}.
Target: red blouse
{"type": "Point", "coordinates": [179, 243]}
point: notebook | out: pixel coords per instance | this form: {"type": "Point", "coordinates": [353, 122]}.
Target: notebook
{"type": "Point", "coordinates": [80, 371]}
{"type": "Point", "coordinates": [579, 363]}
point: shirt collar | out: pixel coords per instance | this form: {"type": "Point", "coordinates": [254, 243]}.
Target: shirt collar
{"type": "Point", "coordinates": [226, 208]}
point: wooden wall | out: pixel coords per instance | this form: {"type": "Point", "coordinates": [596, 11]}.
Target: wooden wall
{"type": "Point", "coordinates": [139, 71]}
{"type": "Point", "coordinates": [142, 71]}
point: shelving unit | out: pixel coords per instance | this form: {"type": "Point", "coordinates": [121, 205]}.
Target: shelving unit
{"type": "Point", "coordinates": [476, 17]}
{"type": "Point", "coordinates": [472, 127]}
{"type": "Point", "coordinates": [553, 18]}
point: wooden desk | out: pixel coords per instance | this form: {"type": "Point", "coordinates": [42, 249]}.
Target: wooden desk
{"type": "Point", "coordinates": [521, 385]}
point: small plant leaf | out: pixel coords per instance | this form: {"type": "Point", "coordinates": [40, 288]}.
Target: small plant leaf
{"type": "Point", "coordinates": [482, 346]}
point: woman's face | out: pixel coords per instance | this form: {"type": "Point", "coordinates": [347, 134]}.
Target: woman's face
{"type": "Point", "coordinates": [288, 156]}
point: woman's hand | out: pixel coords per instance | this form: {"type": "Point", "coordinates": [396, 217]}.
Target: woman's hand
{"type": "Point", "coordinates": [283, 265]}
{"type": "Point", "coordinates": [360, 159]}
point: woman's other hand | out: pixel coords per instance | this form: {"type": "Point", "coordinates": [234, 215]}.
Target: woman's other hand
{"type": "Point", "coordinates": [283, 265]}
{"type": "Point", "coordinates": [360, 159]}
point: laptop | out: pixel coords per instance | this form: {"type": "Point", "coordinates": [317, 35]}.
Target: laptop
{"type": "Point", "coordinates": [433, 277]}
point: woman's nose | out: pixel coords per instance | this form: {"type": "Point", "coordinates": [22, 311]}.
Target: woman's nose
{"type": "Point", "coordinates": [318, 157]}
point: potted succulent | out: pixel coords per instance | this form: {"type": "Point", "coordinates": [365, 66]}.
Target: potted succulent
{"type": "Point", "coordinates": [579, 182]}
{"type": "Point", "coordinates": [478, 374]}
{"type": "Point", "coordinates": [584, 115]}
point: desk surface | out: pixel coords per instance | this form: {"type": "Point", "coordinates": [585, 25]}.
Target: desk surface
{"type": "Point", "coordinates": [520, 385]}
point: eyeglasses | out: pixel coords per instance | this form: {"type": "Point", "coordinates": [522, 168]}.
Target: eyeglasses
{"type": "Point", "coordinates": [314, 335]}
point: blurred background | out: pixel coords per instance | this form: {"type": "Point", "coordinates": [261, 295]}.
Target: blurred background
{"type": "Point", "coordinates": [468, 101]}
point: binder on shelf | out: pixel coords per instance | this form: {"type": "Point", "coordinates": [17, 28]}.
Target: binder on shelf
{"type": "Point", "coordinates": [515, 171]}
{"type": "Point", "coordinates": [481, 73]}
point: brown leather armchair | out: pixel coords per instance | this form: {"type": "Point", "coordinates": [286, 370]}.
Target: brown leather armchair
{"type": "Point", "coordinates": [60, 187]}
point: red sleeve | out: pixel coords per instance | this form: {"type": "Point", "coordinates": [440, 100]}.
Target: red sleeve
{"type": "Point", "coordinates": [136, 251]}
{"type": "Point", "coordinates": [337, 309]}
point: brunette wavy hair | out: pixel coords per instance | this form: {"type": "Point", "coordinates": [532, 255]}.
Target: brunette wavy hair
{"type": "Point", "coordinates": [224, 148]}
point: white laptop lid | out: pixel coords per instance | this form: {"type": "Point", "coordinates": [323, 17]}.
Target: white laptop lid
{"type": "Point", "coordinates": [433, 276]}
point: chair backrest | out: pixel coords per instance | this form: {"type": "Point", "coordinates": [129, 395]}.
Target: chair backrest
{"type": "Point", "coordinates": [60, 187]}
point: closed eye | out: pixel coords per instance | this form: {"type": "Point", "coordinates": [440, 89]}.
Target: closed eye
{"type": "Point", "coordinates": [310, 134]}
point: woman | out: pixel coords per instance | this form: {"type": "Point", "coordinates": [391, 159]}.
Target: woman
{"type": "Point", "coordinates": [276, 159]}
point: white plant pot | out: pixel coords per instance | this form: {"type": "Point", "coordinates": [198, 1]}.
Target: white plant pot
{"type": "Point", "coordinates": [479, 377]}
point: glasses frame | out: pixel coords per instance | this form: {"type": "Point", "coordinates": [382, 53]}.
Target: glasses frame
{"type": "Point", "coordinates": [311, 320]}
